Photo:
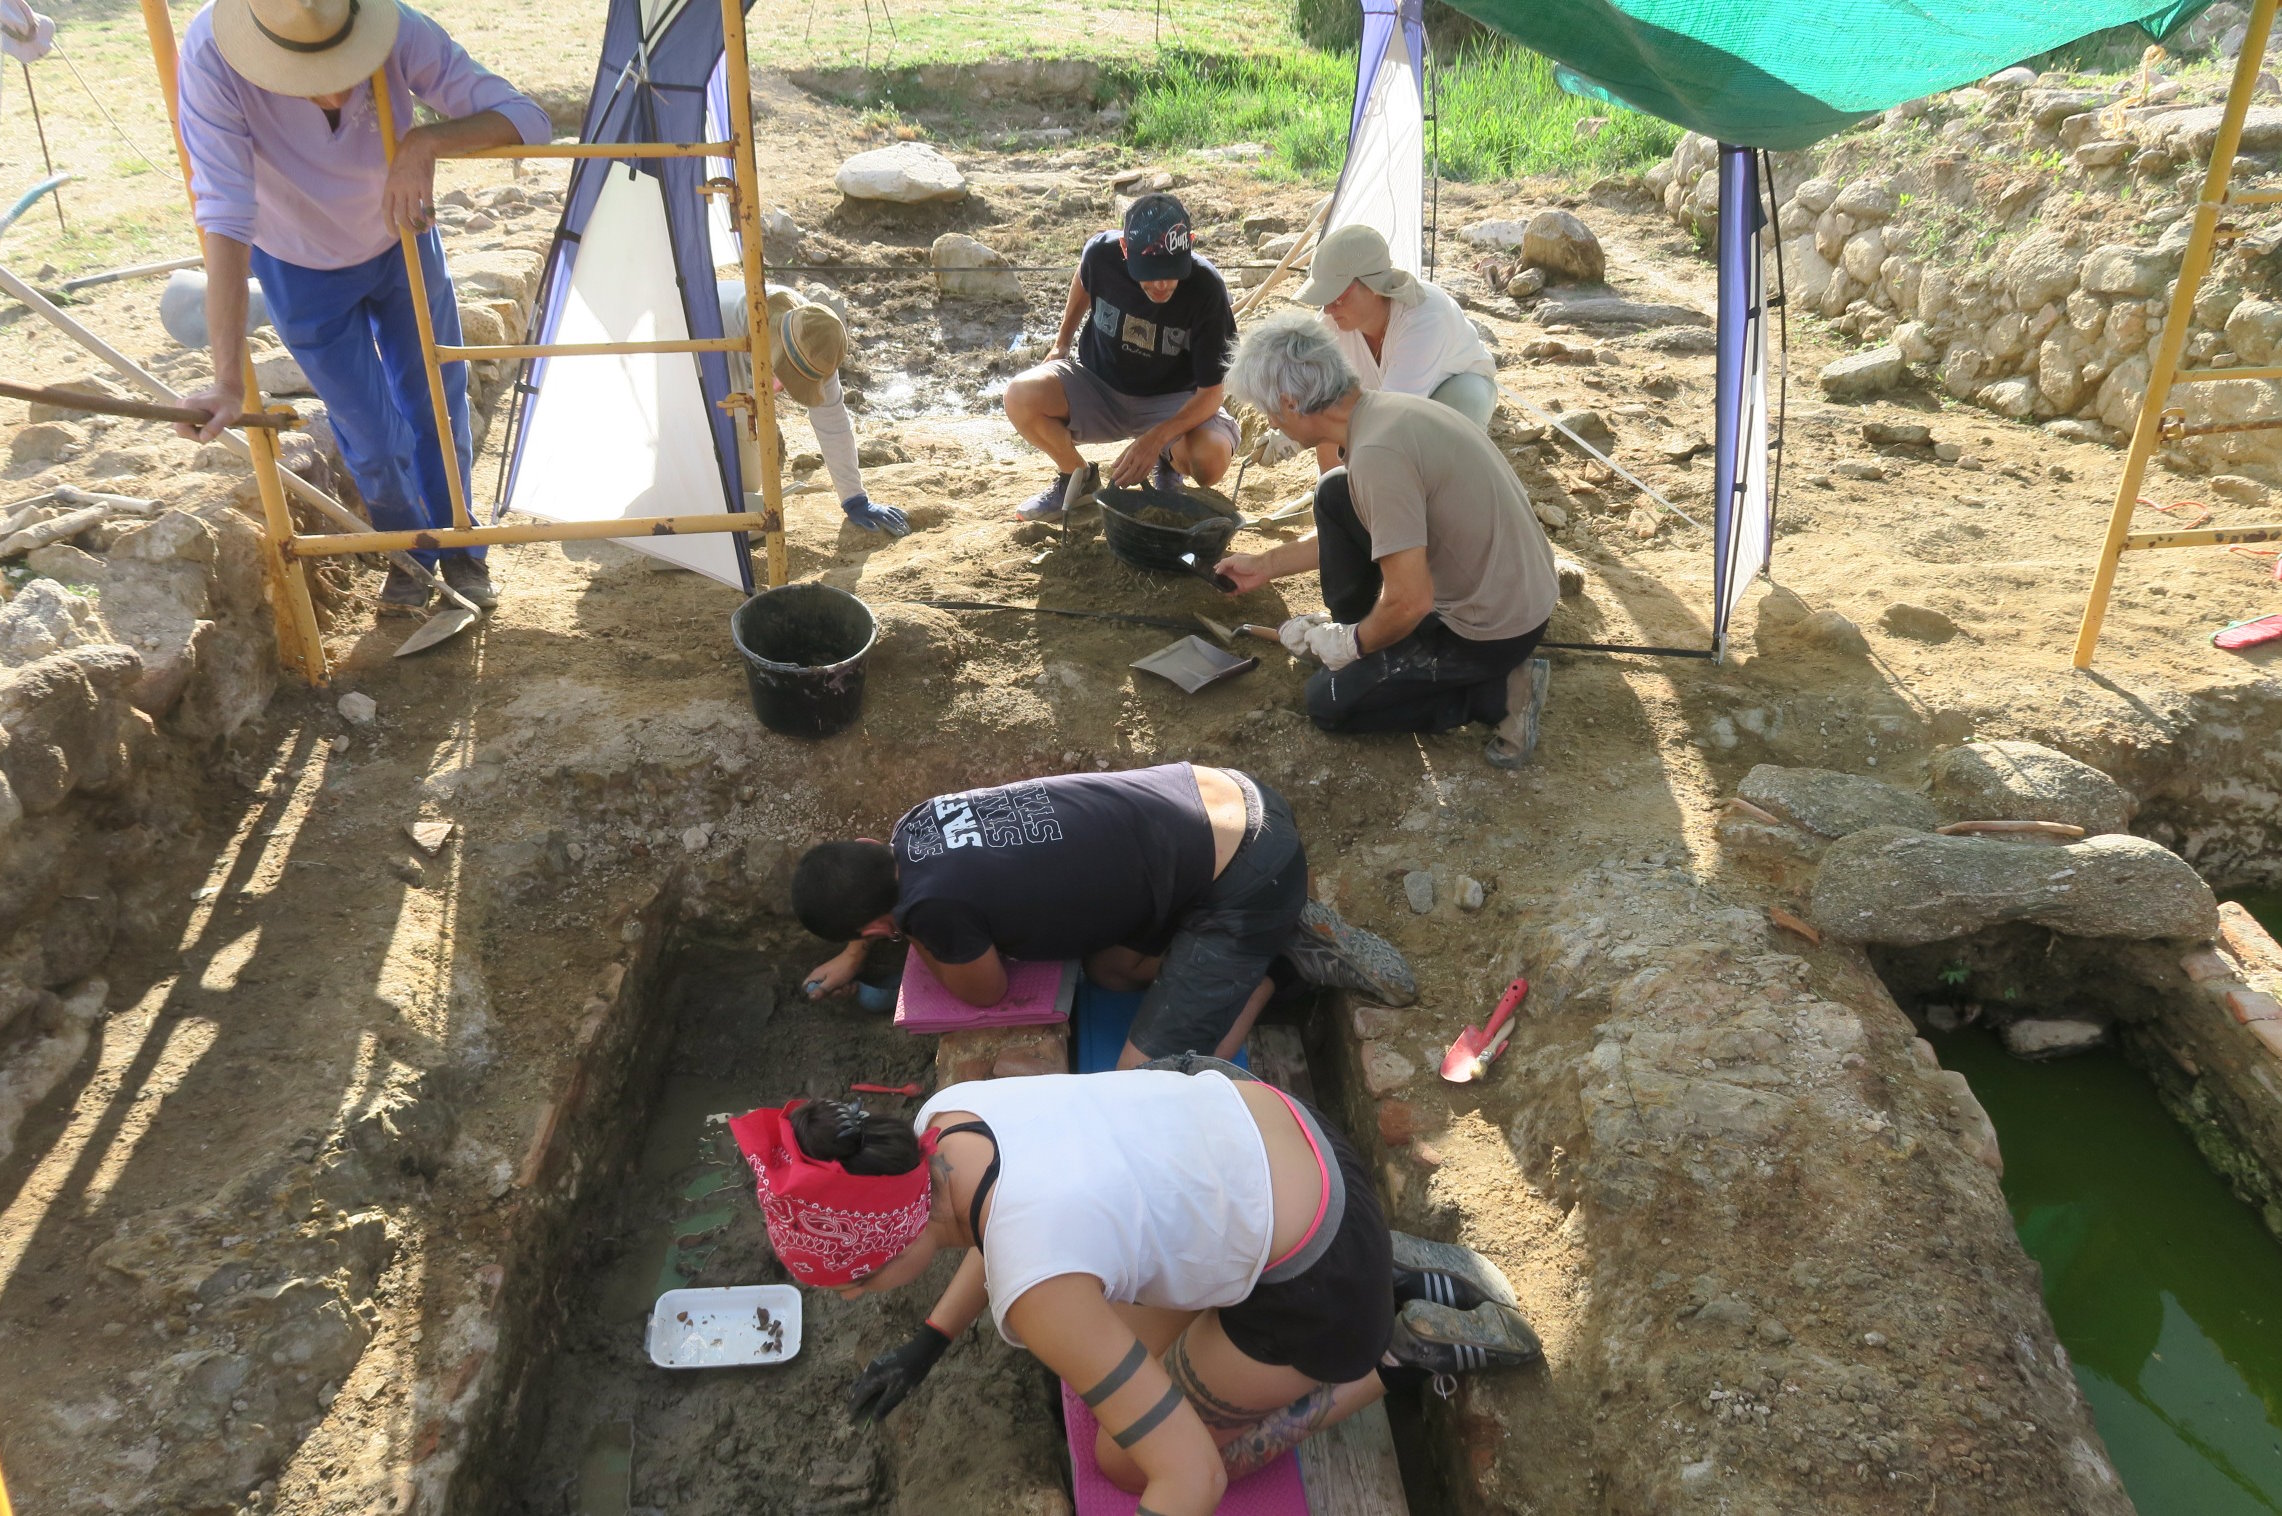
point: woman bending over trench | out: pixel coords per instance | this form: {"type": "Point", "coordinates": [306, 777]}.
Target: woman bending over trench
{"type": "Point", "coordinates": [1192, 1252]}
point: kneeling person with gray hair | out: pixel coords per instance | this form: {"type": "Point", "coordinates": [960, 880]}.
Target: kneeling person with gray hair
{"type": "Point", "coordinates": [1437, 577]}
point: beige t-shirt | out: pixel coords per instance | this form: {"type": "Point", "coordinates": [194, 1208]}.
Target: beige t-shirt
{"type": "Point", "coordinates": [1423, 475]}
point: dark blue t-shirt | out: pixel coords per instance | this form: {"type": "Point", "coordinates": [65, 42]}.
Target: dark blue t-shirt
{"type": "Point", "coordinates": [1138, 347]}
{"type": "Point", "coordinates": [1054, 868]}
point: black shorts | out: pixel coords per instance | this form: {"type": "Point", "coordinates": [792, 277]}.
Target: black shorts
{"type": "Point", "coordinates": [1334, 1320]}
{"type": "Point", "coordinates": [1221, 950]}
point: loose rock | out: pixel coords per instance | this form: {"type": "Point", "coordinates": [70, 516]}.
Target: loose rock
{"type": "Point", "coordinates": [905, 173]}
{"type": "Point", "coordinates": [1917, 622]}
{"type": "Point", "coordinates": [2039, 1038]}
{"type": "Point", "coordinates": [1418, 889]}
{"type": "Point", "coordinates": [1469, 893]}
{"type": "Point", "coordinates": [967, 269]}
{"type": "Point", "coordinates": [358, 708]}
{"type": "Point", "coordinates": [2023, 781]}
{"type": "Point", "coordinates": [1867, 373]}
{"type": "Point", "coordinates": [1894, 886]}
{"type": "Point", "coordinates": [1560, 243]}
{"type": "Point", "coordinates": [1833, 804]}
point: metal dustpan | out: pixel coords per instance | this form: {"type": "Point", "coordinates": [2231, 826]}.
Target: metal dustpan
{"type": "Point", "coordinates": [1192, 663]}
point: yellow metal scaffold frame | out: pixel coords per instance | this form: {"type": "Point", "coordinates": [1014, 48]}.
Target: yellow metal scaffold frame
{"type": "Point", "coordinates": [285, 552]}
{"type": "Point", "coordinates": [2159, 422]}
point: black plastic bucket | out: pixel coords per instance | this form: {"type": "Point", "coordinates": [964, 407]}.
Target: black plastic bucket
{"type": "Point", "coordinates": [1186, 536]}
{"type": "Point", "coordinates": [804, 647]}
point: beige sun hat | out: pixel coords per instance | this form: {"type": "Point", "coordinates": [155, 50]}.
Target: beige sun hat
{"type": "Point", "coordinates": [1352, 253]}
{"type": "Point", "coordinates": [305, 47]}
{"type": "Point", "coordinates": [809, 343]}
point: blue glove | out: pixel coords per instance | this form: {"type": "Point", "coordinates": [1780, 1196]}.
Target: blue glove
{"type": "Point", "coordinates": [875, 518]}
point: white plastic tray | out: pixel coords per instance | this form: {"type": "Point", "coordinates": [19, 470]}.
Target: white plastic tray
{"type": "Point", "coordinates": [709, 1329]}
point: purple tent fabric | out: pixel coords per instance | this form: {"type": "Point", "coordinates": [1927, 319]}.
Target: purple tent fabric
{"type": "Point", "coordinates": [1380, 18]}
{"type": "Point", "coordinates": [649, 87]}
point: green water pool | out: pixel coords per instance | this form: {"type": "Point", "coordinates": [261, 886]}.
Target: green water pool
{"type": "Point", "coordinates": [2165, 1289]}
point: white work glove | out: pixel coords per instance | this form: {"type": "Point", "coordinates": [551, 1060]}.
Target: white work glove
{"type": "Point", "coordinates": [1293, 633]}
{"type": "Point", "coordinates": [1275, 448]}
{"type": "Point", "coordinates": [1334, 645]}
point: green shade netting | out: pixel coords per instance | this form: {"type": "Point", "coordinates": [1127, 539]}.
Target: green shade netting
{"type": "Point", "coordinates": [1784, 75]}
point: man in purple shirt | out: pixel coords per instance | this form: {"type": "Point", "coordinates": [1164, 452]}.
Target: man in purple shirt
{"type": "Point", "coordinates": [293, 186]}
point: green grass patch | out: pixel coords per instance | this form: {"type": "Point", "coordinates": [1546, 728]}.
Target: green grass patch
{"type": "Point", "coordinates": [1501, 114]}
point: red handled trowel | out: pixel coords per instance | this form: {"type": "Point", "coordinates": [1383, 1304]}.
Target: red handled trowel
{"type": "Point", "coordinates": [1470, 1056]}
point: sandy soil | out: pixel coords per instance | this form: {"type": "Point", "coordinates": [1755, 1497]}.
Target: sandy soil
{"type": "Point", "coordinates": [593, 735]}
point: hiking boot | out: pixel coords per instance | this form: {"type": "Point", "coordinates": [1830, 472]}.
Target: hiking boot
{"type": "Point", "coordinates": [1327, 951]}
{"type": "Point", "coordinates": [1446, 1273]}
{"type": "Point", "coordinates": [472, 578]}
{"type": "Point", "coordinates": [1164, 476]}
{"type": "Point", "coordinates": [1445, 1341]}
{"type": "Point", "coordinates": [1067, 491]}
{"type": "Point", "coordinates": [403, 594]}
{"type": "Point", "coordinates": [1515, 741]}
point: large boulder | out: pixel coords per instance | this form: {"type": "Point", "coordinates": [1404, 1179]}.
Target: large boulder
{"type": "Point", "coordinates": [2021, 781]}
{"type": "Point", "coordinates": [69, 724]}
{"type": "Point", "coordinates": [967, 269]}
{"type": "Point", "coordinates": [2120, 270]}
{"type": "Point", "coordinates": [1858, 375]}
{"type": "Point", "coordinates": [906, 173]}
{"type": "Point", "coordinates": [1895, 886]}
{"type": "Point", "coordinates": [2041, 270]}
{"type": "Point", "coordinates": [1609, 311]}
{"type": "Point", "coordinates": [1561, 244]}
{"type": "Point", "coordinates": [45, 618]}
{"type": "Point", "coordinates": [1831, 804]}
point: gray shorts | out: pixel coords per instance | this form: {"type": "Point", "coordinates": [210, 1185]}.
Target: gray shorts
{"type": "Point", "coordinates": [1101, 414]}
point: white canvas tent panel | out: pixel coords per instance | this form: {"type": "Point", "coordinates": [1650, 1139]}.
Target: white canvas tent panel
{"type": "Point", "coordinates": [626, 435]}
{"type": "Point", "coordinates": [1383, 184]}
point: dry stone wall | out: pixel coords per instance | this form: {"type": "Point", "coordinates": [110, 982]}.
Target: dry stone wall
{"type": "Point", "coordinates": [2015, 245]}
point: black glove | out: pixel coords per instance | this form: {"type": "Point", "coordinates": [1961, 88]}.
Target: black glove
{"type": "Point", "coordinates": [880, 1388]}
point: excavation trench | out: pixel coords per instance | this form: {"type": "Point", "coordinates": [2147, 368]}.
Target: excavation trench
{"type": "Point", "coordinates": [2142, 1177]}
{"type": "Point", "coordinates": [584, 1424]}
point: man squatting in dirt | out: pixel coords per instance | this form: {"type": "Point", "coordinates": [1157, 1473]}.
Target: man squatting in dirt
{"type": "Point", "coordinates": [1156, 330]}
{"type": "Point", "coordinates": [1437, 578]}
{"type": "Point", "coordinates": [1190, 1249]}
{"type": "Point", "coordinates": [807, 342]}
{"type": "Point", "coordinates": [294, 186]}
{"type": "Point", "coordinates": [1190, 881]}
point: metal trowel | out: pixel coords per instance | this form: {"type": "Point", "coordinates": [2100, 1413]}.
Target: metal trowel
{"type": "Point", "coordinates": [1476, 1046]}
{"type": "Point", "coordinates": [456, 617]}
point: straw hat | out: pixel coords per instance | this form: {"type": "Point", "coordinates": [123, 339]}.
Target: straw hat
{"type": "Point", "coordinates": [808, 341]}
{"type": "Point", "coordinates": [1352, 253]}
{"type": "Point", "coordinates": [305, 47]}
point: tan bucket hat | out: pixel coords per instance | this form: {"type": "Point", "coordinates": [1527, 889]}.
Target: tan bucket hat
{"type": "Point", "coordinates": [808, 342]}
{"type": "Point", "coordinates": [1352, 253]}
{"type": "Point", "coordinates": [305, 47]}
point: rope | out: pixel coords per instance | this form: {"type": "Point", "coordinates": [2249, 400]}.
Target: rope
{"type": "Point", "coordinates": [2202, 511]}
{"type": "Point", "coordinates": [175, 174]}
{"type": "Point", "coordinates": [1627, 474]}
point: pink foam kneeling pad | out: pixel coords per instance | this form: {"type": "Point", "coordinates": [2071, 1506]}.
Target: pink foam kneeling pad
{"type": "Point", "coordinates": [1273, 1491]}
{"type": "Point", "coordinates": [1037, 994]}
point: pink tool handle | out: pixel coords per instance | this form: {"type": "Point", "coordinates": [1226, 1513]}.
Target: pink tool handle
{"type": "Point", "coordinates": [1505, 1009]}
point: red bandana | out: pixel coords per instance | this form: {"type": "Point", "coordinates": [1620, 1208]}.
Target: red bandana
{"type": "Point", "coordinates": [830, 1227]}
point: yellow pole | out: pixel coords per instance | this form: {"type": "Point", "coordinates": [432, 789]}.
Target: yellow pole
{"type": "Point", "coordinates": [757, 450]}
{"type": "Point", "coordinates": [2197, 262]}
{"type": "Point", "coordinates": [160, 25]}
{"type": "Point", "coordinates": [299, 643]}
{"type": "Point", "coordinates": [417, 276]}
{"type": "Point", "coordinates": [324, 544]}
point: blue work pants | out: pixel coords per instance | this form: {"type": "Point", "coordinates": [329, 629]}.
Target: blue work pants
{"type": "Point", "coordinates": [355, 333]}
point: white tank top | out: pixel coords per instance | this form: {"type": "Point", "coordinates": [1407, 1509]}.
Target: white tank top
{"type": "Point", "coordinates": [1153, 1182]}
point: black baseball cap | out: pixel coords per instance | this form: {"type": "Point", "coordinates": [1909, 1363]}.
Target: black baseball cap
{"type": "Point", "coordinates": [1157, 239]}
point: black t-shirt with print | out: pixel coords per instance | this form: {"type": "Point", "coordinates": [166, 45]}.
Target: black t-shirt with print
{"type": "Point", "coordinates": [1138, 347]}
{"type": "Point", "coordinates": [1054, 868]}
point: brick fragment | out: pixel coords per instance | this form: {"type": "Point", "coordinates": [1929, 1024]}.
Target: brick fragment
{"type": "Point", "coordinates": [2248, 1005]}
{"type": "Point", "coordinates": [2206, 964]}
{"type": "Point", "coordinates": [1398, 1122]}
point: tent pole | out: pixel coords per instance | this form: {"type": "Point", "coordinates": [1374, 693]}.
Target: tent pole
{"type": "Point", "coordinates": [758, 450]}
{"type": "Point", "coordinates": [160, 26]}
{"type": "Point", "coordinates": [2201, 242]}
{"type": "Point", "coordinates": [417, 277]}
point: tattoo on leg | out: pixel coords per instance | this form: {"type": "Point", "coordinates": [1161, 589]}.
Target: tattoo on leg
{"type": "Point", "coordinates": [1216, 1413]}
{"type": "Point", "coordinates": [1114, 1380]}
{"type": "Point", "coordinates": [1148, 1421]}
{"type": "Point", "coordinates": [1277, 1431]}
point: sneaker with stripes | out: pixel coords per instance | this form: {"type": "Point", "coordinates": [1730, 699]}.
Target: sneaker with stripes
{"type": "Point", "coordinates": [1442, 1340]}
